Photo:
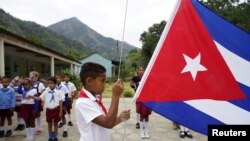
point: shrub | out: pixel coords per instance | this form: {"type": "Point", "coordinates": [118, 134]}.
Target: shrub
{"type": "Point", "coordinates": [127, 94]}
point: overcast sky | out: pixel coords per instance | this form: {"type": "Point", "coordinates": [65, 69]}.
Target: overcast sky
{"type": "Point", "coordinates": [104, 16]}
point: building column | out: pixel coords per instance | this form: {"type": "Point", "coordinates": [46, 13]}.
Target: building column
{"type": "Point", "coordinates": [52, 66]}
{"type": "Point", "coordinates": [2, 64]}
{"type": "Point", "coordinates": [72, 67]}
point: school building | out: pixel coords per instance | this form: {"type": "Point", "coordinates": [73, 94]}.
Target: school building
{"type": "Point", "coordinates": [110, 65]}
{"type": "Point", "coordinates": [19, 56]}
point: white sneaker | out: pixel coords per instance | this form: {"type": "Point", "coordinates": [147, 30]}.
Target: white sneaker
{"type": "Point", "coordinates": [142, 134]}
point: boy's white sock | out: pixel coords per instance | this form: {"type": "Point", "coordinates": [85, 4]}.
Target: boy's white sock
{"type": "Point", "coordinates": [39, 122]}
{"type": "Point", "coordinates": [69, 117]}
{"type": "Point", "coordinates": [146, 129]}
{"type": "Point", "coordinates": [65, 127]}
{"type": "Point", "coordinates": [32, 133]}
{"type": "Point", "coordinates": [9, 127]}
{"type": "Point", "coordinates": [27, 133]}
{"type": "Point", "coordinates": [142, 134]}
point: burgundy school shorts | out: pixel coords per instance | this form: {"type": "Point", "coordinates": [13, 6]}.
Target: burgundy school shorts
{"type": "Point", "coordinates": [6, 113]}
{"type": "Point", "coordinates": [27, 111]}
{"type": "Point", "coordinates": [143, 110]}
{"type": "Point", "coordinates": [52, 115]}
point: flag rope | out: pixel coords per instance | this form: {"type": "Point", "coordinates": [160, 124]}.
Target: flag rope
{"type": "Point", "coordinates": [119, 70]}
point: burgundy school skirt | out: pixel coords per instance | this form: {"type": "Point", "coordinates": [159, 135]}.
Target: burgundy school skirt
{"type": "Point", "coordinates": [53, 115]}
{"type": "Point", "coordinates": [27, 111]}
{"type": "Point", "coordinates": [6, 112]}
{"type": "Point", "coordinates": [142, 109]}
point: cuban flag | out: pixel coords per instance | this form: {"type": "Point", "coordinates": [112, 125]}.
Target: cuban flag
{"type": "Point", "coordinates": [199, 74]}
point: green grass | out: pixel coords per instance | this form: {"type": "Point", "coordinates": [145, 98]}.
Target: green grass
{"type": "Point", "coordinates": [108, 89]}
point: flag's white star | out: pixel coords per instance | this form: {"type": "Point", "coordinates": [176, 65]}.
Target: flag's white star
{"type": "Point", "coordinates": [193, 65]}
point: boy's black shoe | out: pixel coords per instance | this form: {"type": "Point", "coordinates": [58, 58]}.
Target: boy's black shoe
{"type": "Point", "coordinates": [55, 139]}
{"type": "Point", "coordinates": [8, 133]}
{"type": "Point", "coordinates": [70, 123]}
{"type": "Point", "coordinates": [65, 134]}
{"type": "Point", "coordinates": [188, 134]}
{"type": "Point", "coordinates": [182, 134]}
{"type": "Point", "coordinates": [22, 127]}
{"type": "Point", "coordinates": [60, 125]}
{"type": "Point", "coordinates": [50, 139]}
{"type": "Point", "coordinates": [18, 127]}
{"type": "Point", "coordinates": [137, 125]}
{"type": "Point", "coordinates": [1, 134]}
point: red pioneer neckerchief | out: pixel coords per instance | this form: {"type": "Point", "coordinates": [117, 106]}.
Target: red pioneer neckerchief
{"type": "Point", "coordinates": [99, 102]}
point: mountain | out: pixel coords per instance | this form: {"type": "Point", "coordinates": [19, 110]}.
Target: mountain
{"type": "Point", "coordinates": [74, 29]}
{"type": "Point", "coordinates": [43, 36]}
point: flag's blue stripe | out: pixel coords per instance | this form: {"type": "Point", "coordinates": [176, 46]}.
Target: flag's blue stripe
{"type": "Point", "coordinates": [184, 114]}
{"type": "Point", "coordinates": [244, 104]}
{"type": "Point", "coordinates": [228, 35]}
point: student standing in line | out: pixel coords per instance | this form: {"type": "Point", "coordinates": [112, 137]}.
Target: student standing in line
{"type": "Point", "coordinates": [93, 120]}
{"type": "Point", "coordinates": [7, 105]}
{"type": "Point", "coordinates": [27, 109]}
{"type": "Point", "coordinates": [52, 99]}
{"type": "Point", "coordinates": [65, 92]}
{"type": "Point", "coordinates": [72, 88]}
{"type": "Point", "coordinates": [15, 84]}
{"type": "Point", "coordinates": [39, 86]}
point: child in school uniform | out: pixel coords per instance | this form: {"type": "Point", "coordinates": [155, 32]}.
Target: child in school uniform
{"type": "Point", "coordinates": [65, 92]}
{"type": "Point", "coordinates": [52, 99]}
{"type": "Point", "coordinates": [7, 105]}
{"type": "Point", "coordinates": [15, 84]}
{"type": "Point", "coordinates": [27, 109]}
{"type": "Point", "coordinates": [39, 86]}
{"type": "Point", "coordinates": [72, 88]}
{"type": "Point", "coordinates": [92, 118]}
{"type": "Point", "coordinates": [142, 110]}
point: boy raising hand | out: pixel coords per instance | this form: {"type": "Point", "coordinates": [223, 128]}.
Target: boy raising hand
{"type": "Point", "coordinates": [93, 120]}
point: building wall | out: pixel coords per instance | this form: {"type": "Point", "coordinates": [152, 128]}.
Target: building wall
{"type": "Point", "coordinates": [100, 60]}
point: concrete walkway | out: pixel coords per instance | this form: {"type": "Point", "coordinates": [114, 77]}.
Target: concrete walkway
{"type": "Point", "coordinates": [160, 128]}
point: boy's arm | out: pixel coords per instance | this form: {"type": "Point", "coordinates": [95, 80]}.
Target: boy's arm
{"type": "Point", "coordinates": [125, 115]}
{"type": "Point", "coordinates": [109, 121]}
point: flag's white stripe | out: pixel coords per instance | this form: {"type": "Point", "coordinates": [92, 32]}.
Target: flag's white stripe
{"type": "Point", "coordinates": [238, 66]}
{"type": "Point", "coordinates": [223, 111]}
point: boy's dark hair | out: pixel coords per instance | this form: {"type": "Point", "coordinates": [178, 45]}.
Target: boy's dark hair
{"type": "Point", "coordinates": [66, 74]}
{"type": "Point", "coordinates": [5, 77]}
{"type": "Point", "coordinates": [53, 79]}
{"type": "Point", "coordinates": [92, 70]}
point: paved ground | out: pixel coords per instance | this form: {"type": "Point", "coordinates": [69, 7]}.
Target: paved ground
{"type": "Point", "coordinates": [160, 129]}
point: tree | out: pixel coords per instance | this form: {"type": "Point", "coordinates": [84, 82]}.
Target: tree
{"type": "Point", "coordinates": [235, 11]}
{"type": "Point", "coordinates": [149, 41]}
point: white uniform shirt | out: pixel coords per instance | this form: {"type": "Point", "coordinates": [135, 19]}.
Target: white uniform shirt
{"type": "Point", "coordinates": [48, 99]}
{"type": "Point", "coordinates": [71, 87]}
{"type": "Point", "coordinates": [86, 110]}
{"type": "Point", "coordinates": [63, 89]}
{"type": "Point", "coordinates": [40, 88]}
{"type": "Point", "coordinates": [32, 92]}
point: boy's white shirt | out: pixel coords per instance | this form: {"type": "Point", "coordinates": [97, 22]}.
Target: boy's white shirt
{"type": "Point", "coordinates": [46, 96]}
{"type": "Point", "coordinates": [71, 87]}
{"type": "Point", "coordinates": [32, 92]}
{"type": "Point", "coordinates": [86, 111]}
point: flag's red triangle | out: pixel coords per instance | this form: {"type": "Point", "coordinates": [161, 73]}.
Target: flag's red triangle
{"type": "Point", "coordinates": [166, 81]}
